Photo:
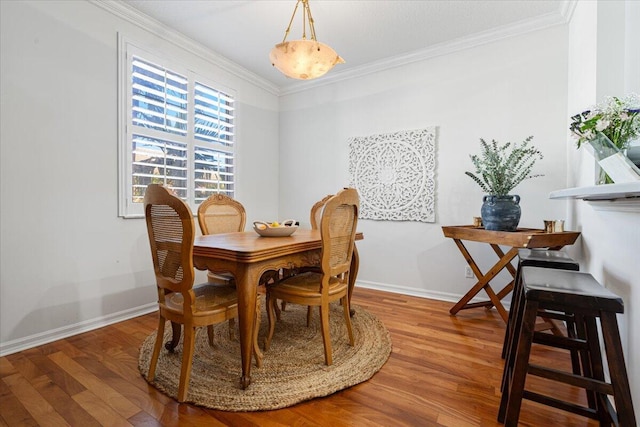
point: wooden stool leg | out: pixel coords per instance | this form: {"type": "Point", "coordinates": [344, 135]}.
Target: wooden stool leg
{"type": "Point", "coordinates": [575, 357]}
{"type": "Point", "coordinates": [617, 369]}
{"type": "Point", "coordinates": [515, 303]}
{"type": "Point", "coordinates": [511, 342]}
{"type": "Point", "coordinates": [586, 361]}
{"type": "Point", "coordinates": [596, 365]}
{"type": "Point", "coordinates": [514, 389]}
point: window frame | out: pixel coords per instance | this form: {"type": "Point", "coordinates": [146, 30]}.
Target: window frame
{"type": "Point", "coordinates": [127, 49]}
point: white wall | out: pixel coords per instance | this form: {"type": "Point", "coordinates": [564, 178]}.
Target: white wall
{"type": "Point", "coordinates": [68, 261]}
{"type": "Point", "coordinates": [505, 90]}
{"type": "Point", "coordinates": [604, 61]}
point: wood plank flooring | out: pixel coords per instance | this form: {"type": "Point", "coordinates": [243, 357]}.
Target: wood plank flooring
{"type": "Point", "coordinates": [444, 371]}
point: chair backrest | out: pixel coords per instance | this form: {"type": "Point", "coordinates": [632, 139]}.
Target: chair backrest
{"type": "Point", "coordinates": [338, 231]}
{"type": "Point", "coordinates": [316, 212]}
{"type": "Point", "coordinates": [170, 227]}
{"type": "Point", "coordinates": [221, 214]}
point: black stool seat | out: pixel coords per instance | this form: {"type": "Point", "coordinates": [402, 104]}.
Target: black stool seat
{"type": "Point", "coordinates": [580, 296]}
{"type": "Point", "coordinates": [562, 288]}
{"type": "Point", "coordinates": [546, 258]}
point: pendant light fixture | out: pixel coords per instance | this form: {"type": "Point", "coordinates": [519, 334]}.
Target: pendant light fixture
{"type": "Point", "coordinates": [303, 59]}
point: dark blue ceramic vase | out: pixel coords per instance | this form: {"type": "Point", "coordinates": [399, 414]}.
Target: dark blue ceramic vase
{"type": "Point", "coordinates": [500, 213]}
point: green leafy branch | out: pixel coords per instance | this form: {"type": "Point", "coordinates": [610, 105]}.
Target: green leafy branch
{"type": "Point", "coordinates": [498, 171]}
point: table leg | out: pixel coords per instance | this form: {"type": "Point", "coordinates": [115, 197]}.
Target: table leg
{"type": "Point", "coordinates": [246, 282]}
{"type": "Point", "coordinates": [497, 304]}
{"type": "Point", "coordinates": [500, 254]}
{"type": "Point", "coordinates": [353, 273]}
{"type": "Point", "coordinates": [483, 282]}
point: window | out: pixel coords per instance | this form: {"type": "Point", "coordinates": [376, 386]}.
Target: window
{"type": "Point", "coordinates": [178, 131]}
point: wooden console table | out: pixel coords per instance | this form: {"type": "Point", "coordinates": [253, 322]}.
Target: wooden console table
{"type": "Point", "coordinates": [521, 238]}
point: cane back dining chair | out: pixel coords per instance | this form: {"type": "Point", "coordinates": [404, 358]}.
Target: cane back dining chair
{"type": "Point", "coordinates": [220, 213]}
{"type": "Point", "coordinates": [338, 229]}
{"type": "Point", "coordinates": [171, 231]}
{"type": "Point", "coordinates": [315, 216]}
{"type": "Point", "coordinates": [316, 212]}
{"type": "Point", "coordinates": [217, 214]}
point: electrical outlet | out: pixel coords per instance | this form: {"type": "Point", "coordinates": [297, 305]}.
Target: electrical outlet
{"type": "Point", "coordinates": [468, 273]}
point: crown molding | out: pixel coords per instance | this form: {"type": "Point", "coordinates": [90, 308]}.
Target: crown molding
{"type": "Point", "coordinates": [522, 27]}
{"type": "Point", "coordinates": [130, 14]}
{"type": "Point", "coordinates": [155, 27]}
{"type": "Point", "coordinates": [567, 8]}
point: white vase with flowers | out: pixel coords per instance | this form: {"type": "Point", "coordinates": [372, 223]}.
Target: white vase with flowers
{"type": "Point", "coordinates": [609, 128]}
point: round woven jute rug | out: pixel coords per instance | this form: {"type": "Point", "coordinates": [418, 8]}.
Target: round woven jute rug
{"type": "Point", "coordinates": [293, 369]}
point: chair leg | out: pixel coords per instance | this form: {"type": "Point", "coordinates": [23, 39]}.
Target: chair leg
{"type": "Point", "coordinates": [232, 328]}
{"type": "Point", "coordinates": [347, 318]}
{"type": "Point", "coordinates": [210, 335]}
{"type": "Point", "coordinates": [271, 315]}
{"type": "Point", "coordinates": [309, 314]}
{"type": "Point", "coordinates": [175, 337]}
{"type": "Point", "coordinates": [275, 307]}
{"type": "Point", "coordinates": [278, 312]}
{"type": "Point", "coordinates": [187, 360]}
{"type": "Point", "coordinates": [156, 349]}
{"type": "Point", "coordinates": [326, 338]}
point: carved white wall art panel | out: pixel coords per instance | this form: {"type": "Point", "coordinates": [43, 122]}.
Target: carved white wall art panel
{"type": "Point", "coordinates": [394, 175]}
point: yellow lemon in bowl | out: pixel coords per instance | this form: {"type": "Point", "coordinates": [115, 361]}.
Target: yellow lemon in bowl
{"type": "Point", "coordinates": [275, 224]}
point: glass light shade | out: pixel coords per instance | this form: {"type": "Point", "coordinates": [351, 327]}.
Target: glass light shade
{"type": "Point", "coordinates": [304, 59]}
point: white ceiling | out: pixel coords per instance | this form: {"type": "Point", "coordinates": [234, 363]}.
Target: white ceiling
{"type": "Point", "coordinates": [365, 33]}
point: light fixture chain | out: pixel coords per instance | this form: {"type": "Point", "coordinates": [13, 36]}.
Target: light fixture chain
{"type": "Point", "coordinates": [312, 28]}
{"type": "Point", "coordinates": [286, 33]}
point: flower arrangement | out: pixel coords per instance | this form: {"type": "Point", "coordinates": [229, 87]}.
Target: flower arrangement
{"type": "Point", "coordinates": [499, 170]}
{"type": "Point", "coordinates": [618, 119]}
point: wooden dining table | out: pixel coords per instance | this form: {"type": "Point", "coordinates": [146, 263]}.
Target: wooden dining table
{"type": "Point", "coordinates": [247, 256]}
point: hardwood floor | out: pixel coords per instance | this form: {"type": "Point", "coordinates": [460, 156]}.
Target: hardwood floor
{"type": "Point", "coordinates": [443, 371]}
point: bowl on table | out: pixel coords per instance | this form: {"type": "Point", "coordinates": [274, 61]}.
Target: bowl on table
{"type": "Point", "coordinates": [275, 229]}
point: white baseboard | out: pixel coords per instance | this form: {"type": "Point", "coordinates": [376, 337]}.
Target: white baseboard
{"type": "Point", "coordinates": [422, 293]}
{"type": "Point", "coordinates": [46, 337]}
{"type": "Point", "coordinates": [99, 322]}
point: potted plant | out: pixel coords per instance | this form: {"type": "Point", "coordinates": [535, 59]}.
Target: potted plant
{"type": "Point", "coordinates": [498, 170]}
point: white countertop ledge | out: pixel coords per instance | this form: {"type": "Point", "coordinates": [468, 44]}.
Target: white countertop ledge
{"type": "Point", "coordinates": [617, 197]}
{"type": "Point", "coordinates": [599, 192]}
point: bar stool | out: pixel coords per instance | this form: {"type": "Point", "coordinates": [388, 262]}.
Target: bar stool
{"type": "Point", "coordinates": [582, 296]}
{"type": "Point", "coordinates": [546, 258]}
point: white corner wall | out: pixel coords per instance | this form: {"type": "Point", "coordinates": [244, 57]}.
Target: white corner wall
{"type": "Point", "coordinates": [69, 263]}
{"type": "Point", "coordinates": [506, 90]}
{"type": "Point", "coordinates": [604, 61]}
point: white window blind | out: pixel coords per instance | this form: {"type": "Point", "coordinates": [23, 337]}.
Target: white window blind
{"type": "Point", "coordinates": [179, 132]}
